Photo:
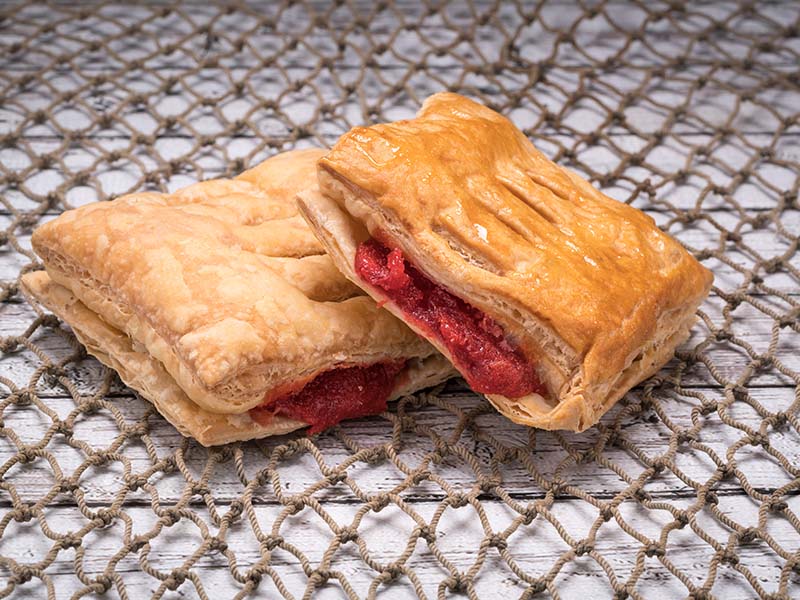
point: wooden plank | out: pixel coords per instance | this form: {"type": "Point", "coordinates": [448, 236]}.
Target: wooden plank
{"type": "Point", "coordinates": [268, 109]}
{"type": "Point", "coordinates": [536, 456]}
{"type": "Point", "coordinates": [577, 102]}
{"type": "Point", "coordinates": [534, 548]}
{"type": "Point", "coordinates": [599, 37]}
{"type": "Point", "coordinates": [707, 187]}
{"type": "Point", "coordinates": [710, 107]}
{"type": "Point", "coordinates": [537, 547]}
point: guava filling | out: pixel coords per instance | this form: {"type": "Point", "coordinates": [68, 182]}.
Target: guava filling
{"type": "Point", "coordinates": [335, 395]}
{"type": "Point", "coordinates": [478, 347]}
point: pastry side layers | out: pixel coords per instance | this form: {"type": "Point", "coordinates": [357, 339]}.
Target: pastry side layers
{"type": "Point", "coordinates": [223, 284]}
{"type": "Point", "coordinates": [589, 287]}
{"type": "Point", "coordinates": [147, 376]}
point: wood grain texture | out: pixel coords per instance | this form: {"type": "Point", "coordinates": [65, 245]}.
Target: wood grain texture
{"type": "Point", "coordinates": [537, 547]}
{"type": "Point", "coordinates": [546, 451]}
{"type": "Point", "coordinates": [710, 190]}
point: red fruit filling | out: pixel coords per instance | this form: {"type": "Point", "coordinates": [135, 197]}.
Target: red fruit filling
{"type": "Point", "coordinates": [477, 344]}
{"type": "Point", "coordinates": [335, 395]}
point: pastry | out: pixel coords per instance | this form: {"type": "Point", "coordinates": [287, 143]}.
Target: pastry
{"type": "Point", "coordinates": [217, 304]}
{"type": "Point", "coordinates": [549, 297]}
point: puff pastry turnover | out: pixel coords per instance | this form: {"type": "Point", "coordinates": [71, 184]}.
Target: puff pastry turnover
{"type": "Point", "coordinates": [218, 305]}
{"type": "Point", "coordinates": [548, 296]}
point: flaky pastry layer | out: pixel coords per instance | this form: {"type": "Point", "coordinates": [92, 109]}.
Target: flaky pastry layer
{"type": "Point", "coordinates": [589, 287]}
{"type": "Point", "coordinates": [147, 376]}
{"type": "Point", "coordinates": [223, 284]}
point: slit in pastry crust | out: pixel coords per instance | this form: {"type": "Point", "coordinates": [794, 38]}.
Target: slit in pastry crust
{"type": "Point", "coordinates": [224, 287]}
{"type": "Point", "coordinates": [588, 286]}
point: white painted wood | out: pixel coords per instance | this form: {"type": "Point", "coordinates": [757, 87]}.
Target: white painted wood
{"type": "Point", "coordinates": [536, 546]}
{"type": "Point", "coordinates": [599, 159]}
{"type": "Point", "coordinates": [34, 480]}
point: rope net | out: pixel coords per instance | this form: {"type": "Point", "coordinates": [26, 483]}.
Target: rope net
{"type": "Point", "coordinates": [691, 484]}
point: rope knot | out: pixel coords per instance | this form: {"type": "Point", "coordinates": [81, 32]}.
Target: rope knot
{"type": "Point", "coordinates": [498, 541]}
{"type": "Point", "coordinates": [530, 512]}
{"type": "Point", "coordinates": [726, 471]}
{"type": "Point", "coordinates": [102, 583]}
{"type": "Point", "coordinates": [348, 534]}
{"type": "Point", "coordinates": [295, 506]}
{"type": "Point", "coordinates": [52, 322]}
{"type": "Point", "coordinates": [488, 485]}
{"type": "Point", "coordinates": [170, 517]}
{"type": "Point", "coordinates": [174, 581]}
{"type": "Point", "coordinates": [136, 481]}
{"type": "Point", "coordinates": [780, 420]}
{"type": "Point", "coordinates": [200, 489]}
{"type": "Point", "coordinates": [723, 336]}
{"type": "Point", "coordinates": [26, 455]}
{"type": "Point", "coordinates": [557, 485]}
{"type": "Point", "coordinates": [23, 575]}
{"type": "Point", "coordinates": [70, 540]}
{"type": "Point", "coordinates": [653, 549]}
{"type": "Point", "coordinates": [426, 533]}
{"type": "Point", "coordinates": [254, 577]}
{"type": "Point", "coordinates": [583, 548]}
{"type": "Point", "coordinates": [67, 486]}
{"type": "Point", "coordinates": [538, 587]}
{"type": "Point", "coordinates": [420, 476]}
{"type": "Point", "coordinates": [458, 500]}
{"type": "Point", "coordinates": [320, 576]}
{"type": "Point", "coordinates": [392, 572]}
{"type": "Point", "coordinates": [273, 541]}
{"type": "Point", "coordinates": [748, 535]}
{"type": "Point", "coordinates": [777, 505]}
{"type": "Point", "coordinates": [708, 408]}
{"type": "Point", "coordinates": [137, 543]}
{"type": "Point", "coordinates": [730, 557]}
{"type": "Point", "coordinates": [23, 514]}
{"type": "Point", "coordinates": [217, 544]}
{"type": "Point", "coordinates": [104, 517]}
{"type": "Point", "coordinates": [378, 504]}
{"type": "Point", "coordinates": [336, 478]}
{"type": "Point", "coordinates": [8, 344]}
{"type": "Point", "coordinates": [235, 508]}
{"type": "Point", "coordinates": [455, 583]}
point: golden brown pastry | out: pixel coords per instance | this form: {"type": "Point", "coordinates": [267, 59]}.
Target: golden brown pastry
{"type": "Point", "coordinates": [218, 305]}
{"type": "Point", "coordinates": [548, 296]}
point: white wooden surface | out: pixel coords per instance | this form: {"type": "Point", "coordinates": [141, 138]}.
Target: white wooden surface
{"type": "Point", "coordinates": [537, 547]}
